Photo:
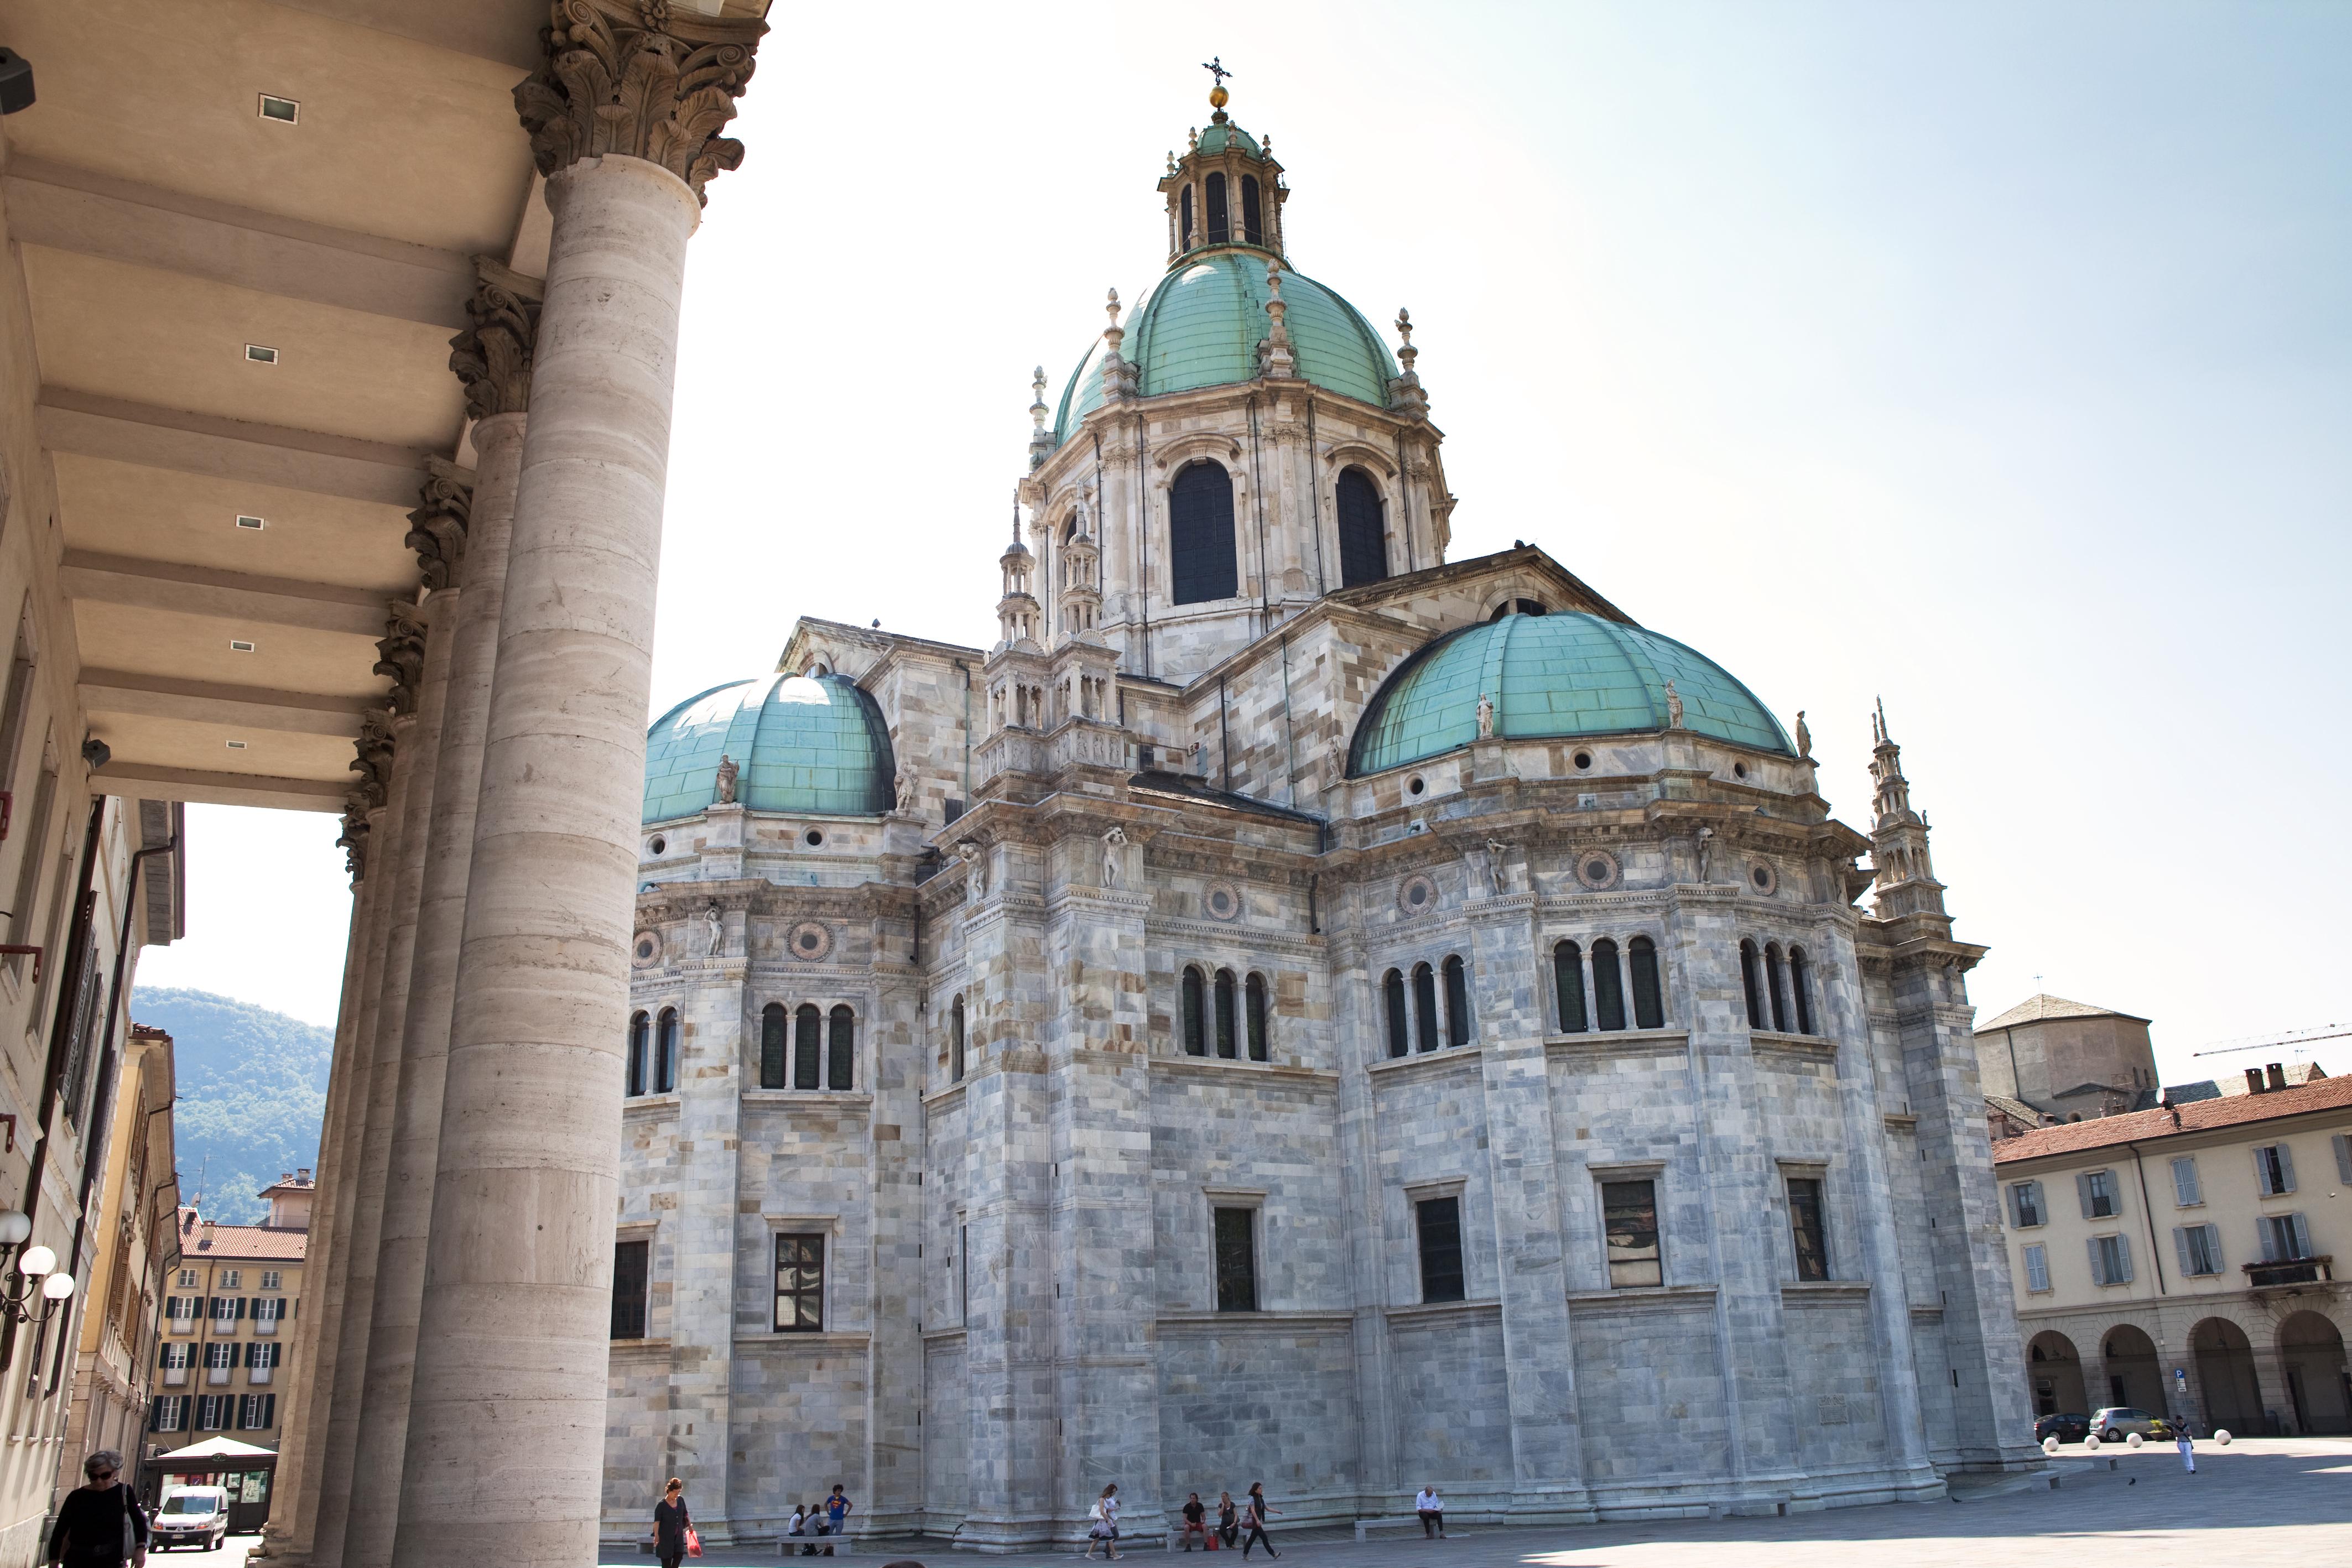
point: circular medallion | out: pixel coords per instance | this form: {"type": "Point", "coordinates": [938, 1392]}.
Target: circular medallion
{"type": "Point", "coordinates": [1222, 901]}
{"type": "Point", "coordinates": [1597, 870]}
{"type": "Point", "coordinates": [809, 942]}
{"type": "Point", "coordinates": [1418, 895]}
{"type": "Point", "coordinates": [1762, 878]}
{"type": "Point", "coordinates": [644, 950]}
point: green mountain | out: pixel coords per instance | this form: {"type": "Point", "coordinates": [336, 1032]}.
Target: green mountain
{"type": "Point", "coordinates": [252, 1092]}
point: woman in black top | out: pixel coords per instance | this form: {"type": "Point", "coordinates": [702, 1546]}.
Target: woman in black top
{"type": "Point", "coordinates": [671, 1521]}
{"type": "Point", "coordinates": [99, 1519]}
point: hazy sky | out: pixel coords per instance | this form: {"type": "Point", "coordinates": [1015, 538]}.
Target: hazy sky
{"type": "Point", "coordinates": [1993, 359]}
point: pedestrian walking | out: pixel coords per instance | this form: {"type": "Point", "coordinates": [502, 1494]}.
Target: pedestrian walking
{"type": "Point", "coordinates": [1254, 1513]}
{"type": "Point", "coordinates": [1196, 1522]}
{"type": "Point", "coordinates": [1229, 1528]}
{"type": "Point", "coordinates": [671, 1524]}
{"type": "Point", "coordinates": [1102, 1525]}
{"type": "Point", "coordinates": [101, 1523]}
{"type": "Point", "coordinates": [836, 1514]}
{"type": "Point", "coordinates": [1432, 1509]}
{"type": "Point", "coordinates": [2186, 1445]}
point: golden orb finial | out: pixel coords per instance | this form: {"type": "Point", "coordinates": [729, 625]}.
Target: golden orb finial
{"type": "Point", "coordinates": [1219, 98]}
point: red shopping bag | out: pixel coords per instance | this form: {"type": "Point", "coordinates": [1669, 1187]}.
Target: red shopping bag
{"type": "Point", "coordinates": [693, 1542]}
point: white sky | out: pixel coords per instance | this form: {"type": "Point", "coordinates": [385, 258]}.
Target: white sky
{"type": "Point", "coordinates": [1990, 359]}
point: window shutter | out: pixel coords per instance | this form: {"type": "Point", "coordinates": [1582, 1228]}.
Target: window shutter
{"type": "Point", "coordinates": [2098, 1270]}
{"type": "Point", "coordinates": [2344, 1158]}
{"type": "Point", "coordinates": [2016, 1208]}
{"type": "Point", "coordinates": [281, 1307]}
{"type": "Point", "coordinates": [163, 1353]}
{"type": "Point", "coordinates": [2082, 1192]}
{"type": "Point", "coordinates": [241, 1306]}
{"type": "Point", "coordinates": [2213, 1248]}
{"type": "Point", "coordinates": [2270, 1238]}
{"type": "Point", "coordinates": [2262, 1172]}
{"type": "Point", "coordinates": [2301, 1235]}
{"type": "Point", "coordinates": [2186, 1189]}
{"type": "Point", "coordinates": [2286, 1168]}
{"type": "Point", "coordinates": [2123, 1256]}
{"type": "Point", "coordinates": [2181, 1246]}
{"type": "Point", "coordinates": [269, 1410]}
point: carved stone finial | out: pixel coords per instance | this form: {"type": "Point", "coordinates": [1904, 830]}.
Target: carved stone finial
{"type": "Point", "coordinates": [436, 528]}
{"type": "Point", "coordinates": [1404, 392]}
{"type": "Point", "coordinates": [1172, 160]}
{"type": "Point", "coordinates": [1275, 357]}
{"type": "Point", "coordinates": [400, 654]}
{"type": "Point", "coordinates": [636, 78]}
{"type": "Point", "coordinates": [492, 357]}
{"type": "Point", "coordinates": [1118, 376]}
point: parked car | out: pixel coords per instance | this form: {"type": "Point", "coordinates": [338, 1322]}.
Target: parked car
{"type": "Point", "coordinates": [192, 1516]}
{"type": "Point", "coordinates": [2066, 1429]}
{"type": "Point", "coordinates": [2119, 1421]}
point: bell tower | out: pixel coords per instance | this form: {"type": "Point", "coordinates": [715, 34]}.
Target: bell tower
{"type": "Point", "coordinates": [1906, 882]}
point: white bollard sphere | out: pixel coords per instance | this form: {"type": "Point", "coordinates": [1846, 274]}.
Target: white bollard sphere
{"type": "Point", "coordinates": [2050, 1445]}
{"type": "Point", "coordinates": [2091, 1444]}
{"type": "Point", "coordinates": [2222, 1435]}
{"type": "Point", "coordinates": [2133, 1441]}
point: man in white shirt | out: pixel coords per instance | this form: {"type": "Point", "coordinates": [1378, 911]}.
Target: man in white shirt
{"type": "Point", "coordinates": [1432, 1509]}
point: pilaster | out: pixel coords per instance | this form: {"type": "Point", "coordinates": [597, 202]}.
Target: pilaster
{"type": "Point", "coordinates": [702, 1253]}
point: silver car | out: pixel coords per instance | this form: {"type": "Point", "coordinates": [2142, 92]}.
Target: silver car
{"type": "Point", "coordinates": [2118, 1421]}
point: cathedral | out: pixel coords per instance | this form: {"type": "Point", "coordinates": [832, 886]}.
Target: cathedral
{"type": "Point", "coordinates": [1300, 1008]}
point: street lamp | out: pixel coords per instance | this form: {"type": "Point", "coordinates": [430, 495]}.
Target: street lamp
{"type": "Point", "coordinates": [36, 1273]}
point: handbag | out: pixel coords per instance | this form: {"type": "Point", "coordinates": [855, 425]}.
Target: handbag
{"type": "Point", "coordinates": [693, 1542]}
{"type": "Point", "coordinates": [131, 1517]}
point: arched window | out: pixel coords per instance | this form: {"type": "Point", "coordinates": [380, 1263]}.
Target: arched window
{"type": "Point", "coordinates": [772, 1046]}
{"type": "Point", "coordinates": [1188, 217]}
{"type": "Point", "coordinates": [1193, 1005]}
{"type": "Point", "coordinates": [1201, 562]}
{"type": "Point", "coordinates": [1400, 1030]}
{"type": "Point", "coordinates": [1256, 998]}
{"type": "Point", "coordinates": [1225, 1014]}
{"type": "Point", "coordinates": [1253, 228]}
{"type": "Point", "coordinates": [1517, 607]}
{"type": "Point", "coordinates": [1220, 230]}
{"type": "Point", "coordinates": [1772, 985]}
{"type": "Point", "coordinates": [1800, 984]}
{"type": "Point", "coordinates": [1568, 979]}
{"type": "Point", "coordinates": [1363, 529]}
{"type": "Point", "coordinates": [666, 1051]}
{"type": "Point", "coordinates": [1457, 1003]}
{"type": "Point", "coordinates": [841, 1054]}
{"type": "Point", "coordinates": [636, 1082]}
{"type": "Point", "coordinates": [1608, 985]}
{"type": "Point", "coordinates": [955, 1042]}
{"type": "Point", "coordinates": [1649, 1001]}
{"type": "Point", "coordinates": [1425, 1006]}
{"type": "Point", "coordinates": [1750, 962]}
{"type": "Point", "coordinates": [808, 1024]}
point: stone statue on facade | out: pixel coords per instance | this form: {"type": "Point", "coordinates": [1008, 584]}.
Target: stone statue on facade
{"type": "Point", "coordinates": [1114, 842]}
{"type": "Point", "coordinates": [1486, 716]}
{"type": "Point", "coordinates": [1703, 835]}
{"type": "Point", "coordinates": [727, 774]}
{"type": "Point", "coordinates": [976, 879]}
{"type": "Point", "coordinates": [906, 784]}
{"type": "Point", "coordinates": [714, 928]}
{"type": "Point", "coordinates": [1804, 735]}
{"type": "Point", "coordinates": [1674, 708]}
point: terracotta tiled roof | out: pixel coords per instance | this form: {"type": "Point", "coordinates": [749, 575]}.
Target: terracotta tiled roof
{"type": "Point", "coordinates": [2033, 1009]}
{"type": "Point", "coordinates": [244, 1241]}
{"type": "Point", "coordinates": [2201, 1116]}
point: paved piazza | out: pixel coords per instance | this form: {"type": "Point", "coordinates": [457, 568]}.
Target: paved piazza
{"type": "Point", "coordinates": [2274, 1500]}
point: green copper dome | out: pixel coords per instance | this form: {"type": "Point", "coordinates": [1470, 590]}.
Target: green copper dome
{"type": "Point", "coordinates": [1553, 677]}
{"type": "Point", "coordinates": [799, 743]}
{"type": "Point", "coordinates": [1202, 325]}
{"type": "Point", "coordinates": [1217, 138]}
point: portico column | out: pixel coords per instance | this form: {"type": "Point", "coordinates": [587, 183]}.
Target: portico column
{"type": "Point", "coordinates": [506, 1425]}
{"type": "Point", "coordinates": [467, 542]}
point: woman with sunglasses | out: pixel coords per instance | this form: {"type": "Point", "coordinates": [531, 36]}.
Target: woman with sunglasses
{"type": "Point", "coordinates": [101, 1524]}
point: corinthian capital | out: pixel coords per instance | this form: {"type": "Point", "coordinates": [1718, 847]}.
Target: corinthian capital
{"type": "Point", "coordinates": [402, 649]}
{"type": "Point", "coordinates": [492, 357]}
{"type": "Point", "coordinates": [633, 78]}
{"type": "Point", "coordinates": [437, 529]}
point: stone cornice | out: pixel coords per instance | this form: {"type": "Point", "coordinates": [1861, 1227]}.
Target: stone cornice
{"type": "Point", "coordinates": [641, 80]}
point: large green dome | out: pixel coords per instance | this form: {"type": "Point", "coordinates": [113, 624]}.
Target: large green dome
{"type": "Point", "coordinates": [807, 743]}
{"type": "Point", "coordinates": [1202, 325]}
{"type": "Point", "coordinates": [1553, 677]}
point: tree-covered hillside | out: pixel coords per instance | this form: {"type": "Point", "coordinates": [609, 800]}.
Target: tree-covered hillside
{"type": "Point", "coordinates": [253, 1091]}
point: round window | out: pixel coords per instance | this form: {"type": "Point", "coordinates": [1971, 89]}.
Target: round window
{"type": "Point", "coordinates": [1223, 902]}
{"type": "Point", "coordinates": [1762, 877]}
{"type": "Point", "coordinates": [813, 838]}
{"type": "Point", "coordinates": [1740, 770]}
{"type": "Point", "coordinates": [660, 845]}
{"type": "Point", "coordinates": [1417, 896]}
{"type": "Point", "coordinates": [1583, 761]}
{"type": "Point", "coordinates": [1598, 870]}
{"type": "Point", "coordinates": [1413, 786]}
{"type": "Point", "coordinates": [644, 950]}
{"type": "Point", "coordinates": [809, 941]}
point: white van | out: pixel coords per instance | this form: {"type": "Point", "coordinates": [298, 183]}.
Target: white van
{"type": "Point", "coordinates": [189, 1516]}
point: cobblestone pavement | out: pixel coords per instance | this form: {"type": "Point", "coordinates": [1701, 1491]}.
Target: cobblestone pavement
{"type": "Point", "coordinates": [2258, 1502]}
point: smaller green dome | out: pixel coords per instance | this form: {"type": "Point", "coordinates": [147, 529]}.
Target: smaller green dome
{"type": "Point", "coordinates": [815, 745]}
{"type": "Point", "coordinates": [1217, 138]}
{"type": "Point", "coordinates": [1550, 678]}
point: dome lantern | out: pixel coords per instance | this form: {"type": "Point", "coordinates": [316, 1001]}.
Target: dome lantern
{"type": "Point", "coordinates": [1226, 191]}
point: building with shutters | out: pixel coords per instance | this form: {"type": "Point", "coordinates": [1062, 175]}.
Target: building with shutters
{"type": "Point", "coordinates": [222, 1366]}
{"type": "Point", "coordinates": [1298, 1008]}
{"type": "Point", "coordinates": [2184, 1259]}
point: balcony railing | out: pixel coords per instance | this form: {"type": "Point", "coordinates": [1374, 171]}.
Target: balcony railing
{"type": "Point", "coordinates": [2290, 1272]}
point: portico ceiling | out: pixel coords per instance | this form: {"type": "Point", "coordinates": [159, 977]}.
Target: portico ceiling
{"type": "Point", "coordinates": [163, 223]}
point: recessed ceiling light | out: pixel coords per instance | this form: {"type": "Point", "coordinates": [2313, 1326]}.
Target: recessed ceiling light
{"type": "Point", "coordinates": [243, 521]}
{"type": "Point", "coordinates": [236, 746]}
{"type": "Point", "coordinates": [284, 110]}
{"type": "Point", "coordinates": [239, 645]}
{"type": "Point", "coordinates": [260, 355]}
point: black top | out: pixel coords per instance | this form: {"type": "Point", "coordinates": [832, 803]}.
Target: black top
{"type": "Point", "coordinates": [670, 1520]}
{"type": "Point", "coordinates": [1193, 1511]}
{"type": "Point", "coordinates": [89, 1525]}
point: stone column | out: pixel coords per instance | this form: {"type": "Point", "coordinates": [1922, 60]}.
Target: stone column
{"type": "Point", "coordinates": [505, 1428]}
{"type": "Point", "coordinates": [461, 536]}
{"type": "Point", "coordinates": [1357, 1041]}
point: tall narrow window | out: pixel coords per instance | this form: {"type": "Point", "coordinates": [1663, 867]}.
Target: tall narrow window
{"type": "Point", "coordinates": [666, 1051]}
{"type": "Point", "coordinates": [1225, 1047]}
{"type": "Point", "coordinates": [955, 1042]}
{"type": "Point", "coordinates": [1773, 988]}
{"type": "Point", "coordinates": [2097, 1190]}
{"type": "Point", "coordinates": [639, 1027]}
{"type": "Point", "coordinates": [1806, 1228]}
{"type": "Point", "coordinates": [1200, 562]}
{"type": "Point", "coordinates": [800, 1284]}
{"type": "Point", "coordinates": [1220, 229]}
{"type": "Point", "coordinates": [1187, 219]}
{"type": "Point", "coordinates": [2037, 1268]}
{"type": "Point", "coordinates": [1400, 1028]}
{"type": "Point", "coordinates": [1750, 962]}
{"type": "Point", "coordinates": [1363, 529]}
{"type": "Point", "coordinates": [1649, 999]}
{"type": "Point", "coordinates": [1568, 979]}
{"type": "Point", "coordinates": [35, 856]}
{"type": "Point", "coordinates": [18, 706]}
{"type": "Point", "coordinates": [1439, 1220]}
{"type": "Point", "coordinates": [1254, 1000]}
{"type": "Point", "coordinates": [1629, 1213]}
{"type": "Point", "coordinates": [1195, 1004]}
{"type": "Point", "coordinates": [1457, 1003]}
{"type": "Point", "coordinates": [1252, 227]}
{"type": "Point", "coordinates": [1425, 1006]}
{"type": "Point", "coordinates": [841, 1052]}
{"type": "Point", "coordinates": [1801, 987]}
{"type": "Point", "coordinates": [1608, 985]}
{"type": "Point", "coordinates": [630, 1261]}
{"type": "Point", "coordinates": [2187, 1191]}
{"type": "Point", "coordinates": [1236, 1241]}
{"type": "Point", "coordinates": [774, 1028]}
{"type": "Point", "coordinates": [2274, 1169]}
{"type": "Point", "coordinates": [808, 1028]}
